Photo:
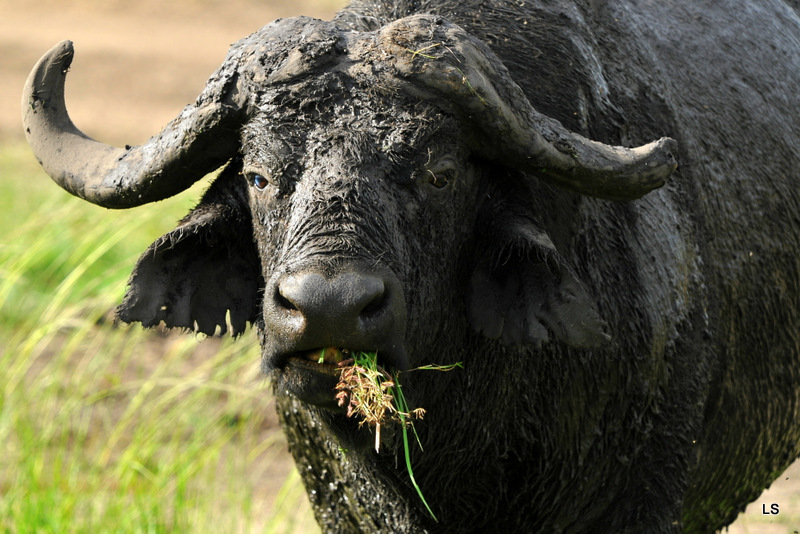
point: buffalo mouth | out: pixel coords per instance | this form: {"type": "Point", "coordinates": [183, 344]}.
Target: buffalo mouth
{"type": "Point", "coordinates": [324, 360]}
{"type": "Point", "coordinates": [312, 375]}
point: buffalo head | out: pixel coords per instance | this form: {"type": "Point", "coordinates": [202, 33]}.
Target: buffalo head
{"type": "Point", "coordinates": [376, 198]}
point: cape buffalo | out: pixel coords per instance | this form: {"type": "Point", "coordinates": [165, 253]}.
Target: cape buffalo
{"type": "Point", "coordinates": [446, 181]}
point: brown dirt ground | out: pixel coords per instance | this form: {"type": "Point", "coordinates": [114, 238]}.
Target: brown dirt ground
{"type": "Point", "coordinates": [138, 63]}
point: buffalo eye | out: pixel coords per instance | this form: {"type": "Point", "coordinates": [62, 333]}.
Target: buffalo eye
{"type": "Point", "coordinates": [440, 173]}
{"type": "Point", "coordinates": [259, 181]}
{"type": "Point", "coordinates": [438, 180]}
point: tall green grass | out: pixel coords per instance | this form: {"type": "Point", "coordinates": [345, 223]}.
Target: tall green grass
{"type": "Point", "coordinates": [107, 428]}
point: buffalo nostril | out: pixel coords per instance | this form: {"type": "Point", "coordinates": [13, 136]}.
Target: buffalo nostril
{"type": "Point", "coordinates": [283, 301]}
{"type": "Point", "coordinates": [375, 306]}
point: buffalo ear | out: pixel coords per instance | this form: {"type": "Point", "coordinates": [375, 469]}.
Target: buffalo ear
{"type": "Point", "coordinates": [521, 288]}
{"type": "Point", "coordinates": [205, 268]}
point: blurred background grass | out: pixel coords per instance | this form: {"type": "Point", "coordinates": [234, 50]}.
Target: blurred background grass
{"type": "Point", "coordinates": [107, 428]}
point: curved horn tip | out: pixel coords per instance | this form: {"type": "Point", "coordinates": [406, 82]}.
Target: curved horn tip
{"type": "Point", "coordinates": [665, 148]}
{"type": "Point", "coordinates": [662, 158]}
{"type": "Point", "coordinates": [57, 60]}
{"type": "Point", "coordinates": [648, 168]}
{"type": "Point", "coordinates": [45, 83]}
{"type": "Point", "coordinates": [62, 53]}
{"type": "Point", "coordinates": [611, 172]}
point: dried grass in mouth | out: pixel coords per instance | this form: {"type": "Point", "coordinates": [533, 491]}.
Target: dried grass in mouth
{"type": "Point", "coordinates": [371, 393]}
{"type": "Point", "coordinates": [374, 395]}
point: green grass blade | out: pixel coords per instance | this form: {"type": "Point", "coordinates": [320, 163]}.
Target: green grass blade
{"type": "Point", "coordinates": [402, 409]}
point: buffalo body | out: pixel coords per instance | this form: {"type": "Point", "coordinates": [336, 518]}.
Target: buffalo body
{"type": "Point", "coordinates": [416, 178]}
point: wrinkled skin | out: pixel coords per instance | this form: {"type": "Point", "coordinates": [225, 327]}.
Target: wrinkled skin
{"type": "Point", "coordinates": [628, 366]}
{"type": "Point", "coordinates": [345, 206]}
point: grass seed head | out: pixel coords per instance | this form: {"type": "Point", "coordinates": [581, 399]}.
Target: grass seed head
{"type": "Point", "coordinates": [374, 395]}
{"type": "Point", "coordinates": [367, 391]}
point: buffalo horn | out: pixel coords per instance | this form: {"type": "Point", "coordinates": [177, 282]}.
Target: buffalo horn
{"type": "Point", "coordinates": [187, 149]}
{"type": "Point", "coordinates": [440, 58]}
